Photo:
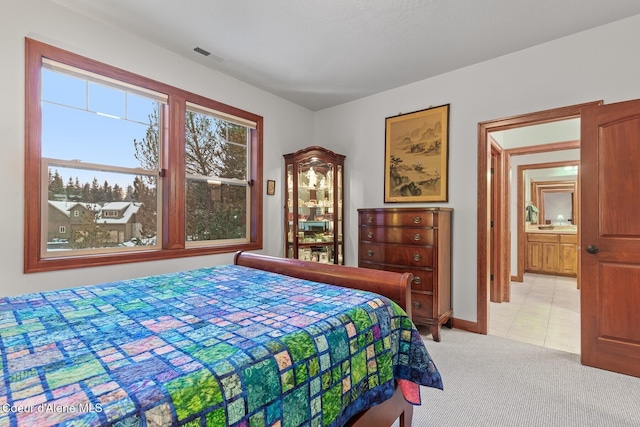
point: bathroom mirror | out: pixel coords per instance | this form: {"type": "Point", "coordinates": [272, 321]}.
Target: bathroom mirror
{"type": "Point", "coordinates": [556, 202]}
{"type": "Point", "coordinates": [552, 196]}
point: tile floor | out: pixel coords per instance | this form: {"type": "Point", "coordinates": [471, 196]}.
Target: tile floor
{"type": "Point", "coordinates": [544, 310]}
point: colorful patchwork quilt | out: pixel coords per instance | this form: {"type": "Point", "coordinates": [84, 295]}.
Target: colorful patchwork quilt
{"type": "Point", "coordinates": [220, 346]}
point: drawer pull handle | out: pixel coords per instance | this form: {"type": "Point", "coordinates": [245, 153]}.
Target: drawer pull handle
{"type": "Point", "coordinates": [370, 234]}
{"type": "Point", "coordinates": [417, 257]}
{"type": "Point", "coordinates": [417, 237]}
{"type": "Point", "coordinates": [417, 280]}
{"type": "Point", "coordinates": [369, 219]}
{"type": "Point", "coordinates": [417, 220]}
{"type": "Point", "coordinates": [416, 304]}
{"type": "Point", "coordinates": [370, 252]}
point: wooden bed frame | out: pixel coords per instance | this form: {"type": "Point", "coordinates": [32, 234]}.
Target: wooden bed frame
{"type": "Point", "coordinates": [395, 286]}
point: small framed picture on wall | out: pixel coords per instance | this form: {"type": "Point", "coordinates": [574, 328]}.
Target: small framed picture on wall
{"type": "Point", "coordinates": [271, 187]}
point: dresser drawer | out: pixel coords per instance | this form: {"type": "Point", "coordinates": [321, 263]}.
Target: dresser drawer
{"type": "Point", "coordinates": [421, 305]}
{"type": "Point", "coordinates": [405, 219]}
{"type": "Point", "coordinates": [569, 238]}
{"type": "Point", "coordinates": [422, 279]}
{"type": "Point", "coordinates": [410, 256]}
{"type": "Point", "coordinates": [545, 238]}
{"type": "Point", "coordinates": [402, 236]}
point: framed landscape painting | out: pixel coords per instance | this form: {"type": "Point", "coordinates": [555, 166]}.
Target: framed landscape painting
{"type": "Point", "coordinates": [416, 156]}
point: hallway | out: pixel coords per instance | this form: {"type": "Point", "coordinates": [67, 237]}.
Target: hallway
{"type": "Point", "coordinates": [544, 310]}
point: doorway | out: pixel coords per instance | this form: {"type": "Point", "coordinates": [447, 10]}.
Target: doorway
{"type": "Point", "coordinates": [544, 311]}
{"type": "Point", "coordinates": [486, 251]}
{"type": "Point", "coordinates": [543, 304]}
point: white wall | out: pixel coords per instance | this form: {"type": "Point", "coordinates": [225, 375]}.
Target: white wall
{"type": "Point", "coordinates": [597, 64]}
{"type": "Point", "coordinates": [286, 127]}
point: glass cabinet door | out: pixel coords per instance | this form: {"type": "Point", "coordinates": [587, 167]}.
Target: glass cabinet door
{"type": "Point", "coordinates": [290, 224]}
{"type": "Point", "coordinates": [313, 218]}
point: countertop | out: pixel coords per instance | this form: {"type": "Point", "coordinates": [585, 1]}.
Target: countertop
{"type": "Point", "coordinates": [558, 229]}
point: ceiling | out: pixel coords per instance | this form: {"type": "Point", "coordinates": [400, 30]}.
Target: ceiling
{"type": "Point", "coordinates": [543, 133]}
{"type": "Point", "coordinates": [322, 53]}
{"type": "Point", "coordinates": [552, 174]}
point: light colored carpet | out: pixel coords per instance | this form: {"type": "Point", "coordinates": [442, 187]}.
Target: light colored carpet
{"type": "Point", "coordinates": [493, 381]}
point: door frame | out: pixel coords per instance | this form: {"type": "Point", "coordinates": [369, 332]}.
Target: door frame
{"type": "Point", "coordinates": [484, 196]}
{"type": "Point", "coordinates": [500, 265]}
{"type": "Point", "coordinates": [522, 247]}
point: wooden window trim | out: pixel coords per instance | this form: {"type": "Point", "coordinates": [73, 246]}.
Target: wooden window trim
{"type": "Point", "coordinates": [173, 215]}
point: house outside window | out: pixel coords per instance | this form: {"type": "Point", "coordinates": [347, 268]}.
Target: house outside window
{"type": "Point", "coordinates": [115, 147]}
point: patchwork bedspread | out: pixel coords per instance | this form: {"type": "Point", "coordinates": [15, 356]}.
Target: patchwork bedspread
{"type": "Point", "coordinates": [221, 346]}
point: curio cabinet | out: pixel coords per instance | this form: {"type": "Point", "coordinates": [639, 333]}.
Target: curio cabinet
{"type": "Point", "coordinates": [314, 225]}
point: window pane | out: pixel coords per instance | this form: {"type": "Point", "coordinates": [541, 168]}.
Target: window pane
{"type": "Point", "coordinates": [208, 150]}
{"type": "Point", "coordinates": [69, 134]}
{"type": "Point", "coordinates": [90, 209]}
{"type": "Point", "coordinates": [236, 134]}
{"type": "Point", "coordinates": [235, 165]}
{"type": "Point", "coordinates": [215, 211]}
{"type": "Point", "coordinates": [106, 100]}
{"type": "Point", "coordinates": [63, 89]}
{"type": "Point", "coordinates": [142, 110]}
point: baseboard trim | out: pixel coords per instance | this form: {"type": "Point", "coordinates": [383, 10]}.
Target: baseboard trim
{"type": "Point", "coordinates": [465, 325]}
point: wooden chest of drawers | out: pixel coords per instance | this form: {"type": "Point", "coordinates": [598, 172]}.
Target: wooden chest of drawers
{"type": "Point", "coordinates": [414, 240]}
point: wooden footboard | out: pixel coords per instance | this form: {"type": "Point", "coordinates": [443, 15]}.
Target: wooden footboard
{"type": "Point", "coordinates": [386, 413]}
{"type": "Point", "coordinates": [395, 286]}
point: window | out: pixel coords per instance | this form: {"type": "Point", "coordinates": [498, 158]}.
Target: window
{"type": "Point", "coordinates": [133, 169]}
{"type": "Point", "coordinates": [216, 159]}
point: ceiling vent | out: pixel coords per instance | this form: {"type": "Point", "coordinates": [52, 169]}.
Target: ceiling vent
{"type": "Point", "coordinates": [208, 54]}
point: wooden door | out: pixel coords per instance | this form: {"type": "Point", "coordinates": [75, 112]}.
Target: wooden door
{"type": "Point", "coordinates": [610, 237]}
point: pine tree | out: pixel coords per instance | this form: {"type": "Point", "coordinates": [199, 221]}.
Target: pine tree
{"type": "Point", "coordinates": [129, 194]}
{"type": "Point", "coordinates": [69, 189]}
{"type": "Point", "coordinates": [86, 192]}
{"type": "Point", "coordinates": [56, 185]}
{"type": "Point", "coordinates": [106, 193]}
{"type": "Point", "coordinates": [116, 193]}
{"type": "Point", "coordinates": [146, 198]}
{"type": "Point", "coordinates": [91, 234]}
{"type": "Point", "coordinates": [95, 191]}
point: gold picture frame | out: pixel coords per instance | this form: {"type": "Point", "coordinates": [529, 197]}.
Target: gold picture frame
{"type": "Point", "coordinates": [271, 187]}
{"type": "Point", "coordinates": [416, 156]}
